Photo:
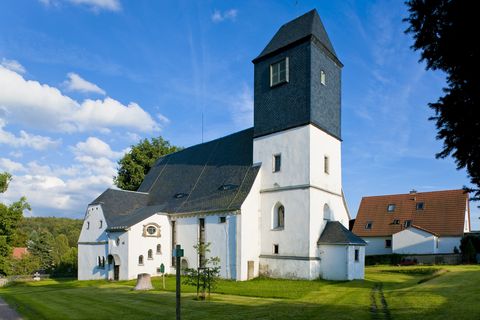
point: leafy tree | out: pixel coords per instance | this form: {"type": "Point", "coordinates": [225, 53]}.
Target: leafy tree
{"type": "Point", "coordinates": [60, 249]}
{"type": "Point", "coordinates": [444, 33]}
{"type": "Point", "coordinates": [26, 265]}
{"type": "Point", "coordinates": [205, 277]}
{"type": "Point", "coordinates": [5, 179]}
{"type": "Point", "coordinates": [137, 162]}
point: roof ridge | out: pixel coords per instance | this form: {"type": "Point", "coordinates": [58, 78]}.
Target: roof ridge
{"type": "Point", "coordinates": [407, 194]}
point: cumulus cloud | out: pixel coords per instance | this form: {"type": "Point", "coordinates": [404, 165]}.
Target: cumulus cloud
{"type": "Point", "coordinates": [219, 16]}
{"type": "Point", "coordinates": [77, 83]}
{"type": "Point", "coordinates": [12, 65]}
{"type": "Point", "coordinates": [96, 5]}
{"type": "Point", "coordinates": [25, 139]}
{"type": "Point", "coordinates": [10, 166]}
{"type": "Point", "coordinates": [95, 147]}
{"type": "Point", "coordinates": [42, 106]}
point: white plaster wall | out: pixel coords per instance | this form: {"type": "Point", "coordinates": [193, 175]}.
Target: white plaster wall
{"type": "Point", "coordinates": [318, 199]}
{"type": "Point", "coordinates": [413, 241]}
{"type": "Point", "coordinates": [294, 146]}
{"type": "Point", "coordinates": [293, 239]}
{"type": "Point", "coordinates": [248, 232]}
{"type": "Point", "coordinates": [446, 244]}
{"type": "Point", "coordinates": [92, 244]}
{"type": "Point", "coordinates": [287, 268]}
{"type": "Point", "coordinates": [376, 245]}
{"type": "Point", "coordinates": [466, 225]}
{"type": "Point", "coordinates": [222, 237]}
{"type": "Point", "coordinates": [333, 262]}
{"type": "Point", "coordinates": [138, 244]}
{"type": "Point", "coordinates": [356, 269]}
{"type": "Point", "coordinates": [321, 145]}
{"type": "Point", "coordinates": [120, 252]}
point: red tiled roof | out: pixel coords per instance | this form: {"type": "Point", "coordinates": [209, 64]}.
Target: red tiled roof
{"type": "Point", "coordinates": [19, 252]}
{"type": "Point", "coordinates": [443, 213]}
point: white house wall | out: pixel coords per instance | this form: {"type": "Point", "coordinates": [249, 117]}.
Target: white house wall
{"type": "Point", "coordinates": [333, 262]}
{"type": "Point", "coordinates": [413, 241]}
{"type": "Point", "coordinates": [448, 244]}
{"type": "Point", "coordinates": [92, 244]}
{"type": "Point", "coordinates": [248, 236]}
{"type": "Point", "coordinates": [356, 269]}
{"type": "Point", "coordinates": [139, 245]}
{"type": "Point", "coordinates": [376, 245]}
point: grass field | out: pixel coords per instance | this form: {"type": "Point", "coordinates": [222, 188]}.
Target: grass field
{"type": "Point", "coordinates": [447, 292]}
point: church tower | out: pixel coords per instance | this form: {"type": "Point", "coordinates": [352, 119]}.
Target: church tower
{"type": "Point", "coordinates": [297, 140]}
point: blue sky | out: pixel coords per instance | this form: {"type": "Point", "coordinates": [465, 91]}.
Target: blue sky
{"type": "Point", "coordinates": [82, 80]}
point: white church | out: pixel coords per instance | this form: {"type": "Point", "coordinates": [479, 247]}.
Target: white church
{"type": "Point", "coordinates": [269, 199]}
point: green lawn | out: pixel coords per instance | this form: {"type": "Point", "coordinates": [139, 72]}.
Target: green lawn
{"type": "Point", "coordinates": [440, 295]}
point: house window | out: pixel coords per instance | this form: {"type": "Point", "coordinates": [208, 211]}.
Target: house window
{"type": "Point", "coordinates": [140, 260]}
{"type": "Point", "coordinates": [99, 261]}
{"type": "Point", "coordinates": [391, 207]}
{"type": "Point", "coordinates": [322, 77]}
{"type": "Point", "coordinates": [369, 225]}
{"type": "Point", "coordinates": [275, 249]}
{"type": "Point", "coordinates": [407, 223]}
{"type": "Point", "coordinates": [151, 230]}
{"type": "Point", "coordinates": [279, 72]}
{"type": "Point", "coordinates": [357, 254]}
{"type": "Point", "coordinates": [150, 254]}
{"type": "Point", "coordinates": [326, 165]}
{"type": "Point", "coordinates": [222, 219]}
{"type": "Point", "coordinates": [101, 224]}
{"type": "Point", "coordinates": [277, 162]}
{"type": "Point", "coordinates": [420, 205]}
{"type": "Point", "coordinates": [159, 249]}
{"type": "Point", "coordinates": [88, 225]}
{"type": "Point", "coordinates": [388, 243]}
{"type": "Point", "coordinates": [279, 217]}
{"type": "Point", "coordinates": [396, 221]}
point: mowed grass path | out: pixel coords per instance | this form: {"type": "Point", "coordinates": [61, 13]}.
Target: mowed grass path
{"type": "Point", "coordinates": [451, 295]}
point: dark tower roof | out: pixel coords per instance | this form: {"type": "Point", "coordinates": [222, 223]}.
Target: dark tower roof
{"type": "Point", "coordinates": [299, 30]}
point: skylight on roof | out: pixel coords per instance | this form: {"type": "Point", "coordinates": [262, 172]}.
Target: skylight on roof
{"type": "Point", "coordinates": [225, 187]}
{"type": "Point", "coordinates": [420, 205]}
{"type": "Point", "coordinates": [391, 207]}
{"type": "Point", "coordinates": [180, 195]}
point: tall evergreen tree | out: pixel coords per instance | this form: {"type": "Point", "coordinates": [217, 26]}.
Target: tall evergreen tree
{"type": "Point", "coordinates": [445, 33]}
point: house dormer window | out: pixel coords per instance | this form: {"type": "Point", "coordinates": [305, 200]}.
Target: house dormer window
{"type": "Point", "coordinates": [391, 207]}
{"type": "Point", "coordinates": [420, 205]}
{"type": "Point", "coordinates": [279, 72]}
{"type": "Point", "coordinates": [407, 223]}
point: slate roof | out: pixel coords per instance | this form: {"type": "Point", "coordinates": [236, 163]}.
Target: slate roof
{"type": "Point", "coordinates": [443, 213]}
{"type": "Point", "coordinates": [297, 30]}
{"type": "Point", "coordinates": [215, 176]}
{"type": "Point", "coordinates": [336, 233]}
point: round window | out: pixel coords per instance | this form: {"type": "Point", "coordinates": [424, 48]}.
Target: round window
{"type": "Point", "coordinates": [151, 230]}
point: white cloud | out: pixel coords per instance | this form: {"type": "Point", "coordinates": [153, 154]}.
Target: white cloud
{"type": "Point", "coordinates": [13, 65]}
{"type": "Point", "coordinates": [10, 166]}
{"type": "Point", "coordinates": [41, 106]}
{"type": "Point", "coordinates": [241, 106]}
{"type": "Point", "coordinates": [77, 83]}
{"type": "Point", "coordinates": [26, 140]}
{"type": "Point", "coordinates": [219, 16]}
{"type": "Point", "coordinates": [96, 5]}
{"type": "Point", "coordinates": [96, 148]}
{"type": "Point", "coordinates": [163, 119]}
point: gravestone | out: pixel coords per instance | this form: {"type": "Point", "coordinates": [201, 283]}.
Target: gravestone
{"type": "Point", "coordinates": [144, 282]}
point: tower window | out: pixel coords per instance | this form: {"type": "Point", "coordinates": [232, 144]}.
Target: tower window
{"type": "Point", "coordinates": [277, 162]}
{"type": "Point", "coordinates": [140, 260]}
{"type": "Point", "coordinates": [279, 218]}
{"type": "Point", "coordinates": [279, 72]}
{"type": "Point", "coordinates": [322, 77]}
{"type": "Point", "coordinates": [159, 249]}
{"type": "Point", "coordinates": [101, 224]}
{"type": "Point", "coordinates": [326, 165]}
{"type": "Point", "coordinates": [391, 207]}
{"type": "Point", "coordinates": [150, 254]}
{"type": "Point", "coordinates": [88, 225]}
{"type": "Point", "coordinates": [275, 249]}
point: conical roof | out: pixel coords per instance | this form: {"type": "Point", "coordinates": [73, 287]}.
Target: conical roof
{"type": "Point", "coordinates": [299, 29]}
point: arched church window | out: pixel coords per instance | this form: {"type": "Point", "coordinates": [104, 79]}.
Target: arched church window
{"type": "Point", "coordinates": [327, 214]}
{"type": "Point", "coordinates": [159, 249]}
{"type": "Point", "coordinates": [150, 254]}
{"type": "Point", "coordinates": [140, 260]}
{"type": "Point", "coordinates": [279, 216]}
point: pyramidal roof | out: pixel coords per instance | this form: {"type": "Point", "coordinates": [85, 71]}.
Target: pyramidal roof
{"type": "Point", "coordinates": [299, 29]}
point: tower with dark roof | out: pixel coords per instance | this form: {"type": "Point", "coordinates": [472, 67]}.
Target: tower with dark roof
{"type": "Point", "coordinates": [310, 91]}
